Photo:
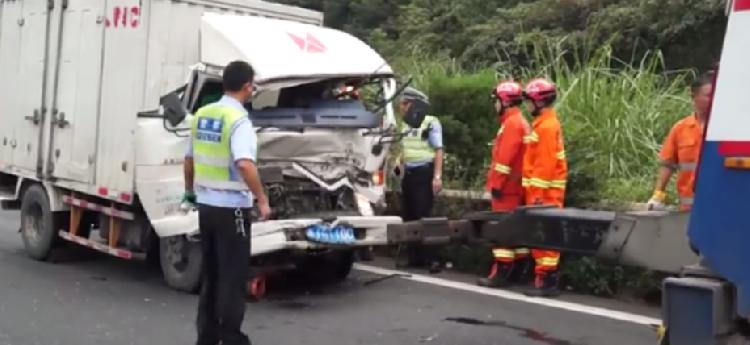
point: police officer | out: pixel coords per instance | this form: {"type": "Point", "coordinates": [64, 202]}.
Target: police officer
{"type": "Point", "coordinates": [422, 159]}
{"type": "Point", "coordinates": [220, 164]}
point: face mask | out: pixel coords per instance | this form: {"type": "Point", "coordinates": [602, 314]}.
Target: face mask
{"type": "Point", "coordinates": [416, 113]}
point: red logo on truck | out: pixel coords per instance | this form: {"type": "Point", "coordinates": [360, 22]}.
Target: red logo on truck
{"type": "Point", "coordinates": [309, 43]}
{"type": "Point", "coordinates": [124, 17]}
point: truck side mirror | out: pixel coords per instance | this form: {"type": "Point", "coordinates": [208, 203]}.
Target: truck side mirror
{"type": "Point", "coordinates": [174, 110]}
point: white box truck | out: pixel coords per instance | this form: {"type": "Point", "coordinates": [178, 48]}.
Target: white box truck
{"type": "Point", "coordinates": [95, 114]}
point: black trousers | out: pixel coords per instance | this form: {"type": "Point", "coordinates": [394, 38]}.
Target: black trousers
{"type": "Point", "coordinates": [225, 242]}
{"type": "Point", "coordinates": [417, 199]}
{"type": "Point", "coordinates": [416, 193]}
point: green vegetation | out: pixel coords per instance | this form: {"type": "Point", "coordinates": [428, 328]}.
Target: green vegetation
{"type": "Point", "coordinates": [490, 32]}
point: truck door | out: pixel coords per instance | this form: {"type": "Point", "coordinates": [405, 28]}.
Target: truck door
{"type": "Point", "coordinates": [75, 103]}
{"type": "Point", "coordinates": [24, 45]}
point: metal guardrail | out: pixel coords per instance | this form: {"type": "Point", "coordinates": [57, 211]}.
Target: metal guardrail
{"type": "Point", "coordinates": [458, 194]}
{"type": "Point", "coordinates": [475, 195]}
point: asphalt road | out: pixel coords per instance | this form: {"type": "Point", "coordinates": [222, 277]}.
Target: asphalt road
{"type": "Point", "coordinates": [91, 299]}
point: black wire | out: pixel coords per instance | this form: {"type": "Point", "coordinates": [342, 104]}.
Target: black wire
{"type": "Point", "coordinates": [395, 94]}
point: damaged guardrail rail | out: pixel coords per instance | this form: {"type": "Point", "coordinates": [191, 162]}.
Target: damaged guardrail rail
{"type": "Point", "coordinates": [656, 240]}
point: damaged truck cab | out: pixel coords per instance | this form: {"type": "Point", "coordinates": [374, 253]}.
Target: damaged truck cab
{"type": "Point", "coordinates": [321, 151]}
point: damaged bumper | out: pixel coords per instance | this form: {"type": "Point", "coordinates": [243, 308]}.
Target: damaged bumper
{"type": "Point", "coordinates": [293, 234]}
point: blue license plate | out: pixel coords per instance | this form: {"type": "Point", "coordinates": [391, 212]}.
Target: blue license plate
{"type": "Point", "coordinates": [339, 234]}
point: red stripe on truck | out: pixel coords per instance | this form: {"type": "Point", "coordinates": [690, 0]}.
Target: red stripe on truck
{"type": "Point", "coordinates": [734, 148]}
{"type": "Point", "coordinates": [741, 5]}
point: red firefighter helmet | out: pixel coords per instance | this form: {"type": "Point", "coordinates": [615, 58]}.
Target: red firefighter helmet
{"type": "Point", "coordinates": [509, 93]}
{"type": "Point", "coordinates": [541, 91]}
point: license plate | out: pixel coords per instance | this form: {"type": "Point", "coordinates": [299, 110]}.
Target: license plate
{"type": "Point", "coordinates": [339, 234]}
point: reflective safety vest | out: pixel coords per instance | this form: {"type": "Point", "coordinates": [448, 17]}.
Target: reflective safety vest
{"type": "Point", "coordinates": [545, 164]}
{"type": "Point", "coordinates": [417, 148]}
{"type": "Point", "coordinates": [212, 153]}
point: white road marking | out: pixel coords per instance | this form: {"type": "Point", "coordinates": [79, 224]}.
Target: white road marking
{"type": "Point", "coordinates": [514, 296]}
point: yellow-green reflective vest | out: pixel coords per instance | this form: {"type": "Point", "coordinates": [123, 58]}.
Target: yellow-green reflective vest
{"type": "Point", "coordinates": [417, 149]}
{"type": "Point", "coordinates": [212, 153]}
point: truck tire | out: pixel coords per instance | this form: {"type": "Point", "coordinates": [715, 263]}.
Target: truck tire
{"type": "Point", "coordinates": [181, 262]}
{"type": "Point", "coordinates": [342, 263]}
{"type": "Point", "coordinates": [39, 225]}
{"type": "Point", "coordinates": [329, 268]}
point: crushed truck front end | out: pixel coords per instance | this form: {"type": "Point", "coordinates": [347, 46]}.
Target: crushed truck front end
{"type": "Point", "coordinates": [324, 119]}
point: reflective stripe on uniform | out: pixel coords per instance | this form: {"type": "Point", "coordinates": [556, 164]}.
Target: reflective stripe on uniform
{"type": "Point", "coordinates": [531, 138]}
{"type": "Point", "coordinates": [557, 184]}
{"type": "Point", "coordinates": [500, 131]}
{"type": "Point", "coordinates": [669, 164]}
{"type": "Point", "coordinates": [211, 160]}
{"type": "Point", "coordinates": [503, 169]}
{"type": "Point", "coordinates": [522, 251]}
{"type": "Point", "coordinates": [540, 183]}
{"type": "Point", "coordinates": [561, 155]}
{"type": "Point", "coordinates": [503, 253]}
{"type": "Point", "coordinates": [686, 200]}
{"type": "Point", "coordinates": [686, 166]}
{"type": "Point", "coordinates": [223, 185]}
{"type": "Point", "coordinates": [549, 262]}
{"type": "Point", "coordinates": [525, 182]}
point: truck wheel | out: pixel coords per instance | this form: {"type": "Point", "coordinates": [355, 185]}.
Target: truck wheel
{"type": "Point", "coordinates": [329, 268]}
{"type": "Point", "coordinates": [341, 265]}
{"type": "Point", "coordinates": [39, 225]}
{"type": "Point", "coordinates": [181, 263]}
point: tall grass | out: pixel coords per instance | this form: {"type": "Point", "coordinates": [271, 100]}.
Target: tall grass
{"type": "Point", "coordinates": [614, 114]}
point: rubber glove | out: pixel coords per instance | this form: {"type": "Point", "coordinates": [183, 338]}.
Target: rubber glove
{"type": "Point", "coordinates": [657, 201]}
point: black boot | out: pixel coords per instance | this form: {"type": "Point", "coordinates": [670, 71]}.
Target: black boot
{"type": "Point", "coordinates": [523, 271]}
{"type": "Point", "coordinates": [545, 285]}
{"type": "Point", "coordinates": [498, 277]}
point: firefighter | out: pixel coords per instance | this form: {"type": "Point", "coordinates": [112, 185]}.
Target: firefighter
{"type": "Point", "coordinates": [681, 148]}
{"type": "Point", "coordinates": [504, 179]}
{"type": "Point", "coordinates": [545, 175]}
{"type": "Point", "coordinates": [422, 159]}
{"type": "Point", "coordinates": [222, 178]}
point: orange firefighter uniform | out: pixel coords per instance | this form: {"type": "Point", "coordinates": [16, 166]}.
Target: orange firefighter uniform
{"type": "Point", "coordinates": [681, 151]}
{"type": "Point", "coordinates": [506, 170]}
{"type": "Point", "coordinates": [545, 175]}
{"type": "Point", "coordinates": [504, 178]}
{"type": "Point", "coordinates": [506, 173]}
